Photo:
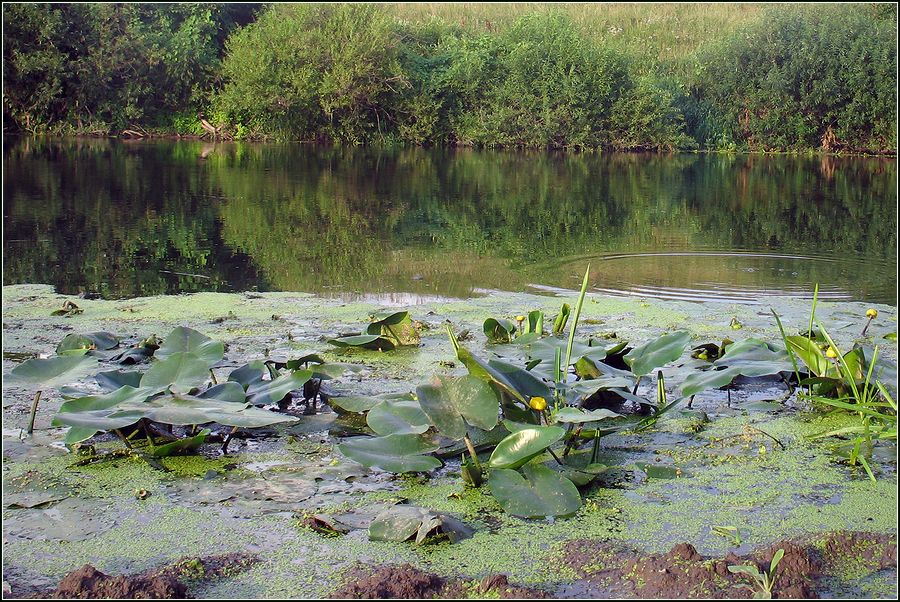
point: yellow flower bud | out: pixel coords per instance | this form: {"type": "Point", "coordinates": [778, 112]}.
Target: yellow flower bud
{"type": "Point", "coordinates": [872, 314]}
{"type": "Point", "coordinates": [520, 318]}
{"type": "Point", "coordinates": [831, 353]}
{"type": "Point", "coordinates": [537, 403]}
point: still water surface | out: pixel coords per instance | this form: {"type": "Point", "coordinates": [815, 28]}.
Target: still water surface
{"type": "Point", "coordinates": [142, 218]}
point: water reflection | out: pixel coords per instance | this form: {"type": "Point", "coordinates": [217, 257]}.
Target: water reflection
{"type": "Point", "coordinates": [148, 217]}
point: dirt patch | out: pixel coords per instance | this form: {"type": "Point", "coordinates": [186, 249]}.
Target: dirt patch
{"type": "Point", "coordinates": [88, 582]}
{"type": "Point", "coordinates": [170, 581]}
{"type": "Point", "coordinates": [682, 572]}
{"type": "Point", "coordinates": [406, 581]}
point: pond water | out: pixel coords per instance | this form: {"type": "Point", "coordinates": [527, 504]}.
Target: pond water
{"type": "Point", "coordinates": [403, 226]}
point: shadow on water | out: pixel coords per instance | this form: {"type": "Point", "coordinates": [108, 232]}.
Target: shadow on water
{"type": "Point", "coordinates": [143, 218]}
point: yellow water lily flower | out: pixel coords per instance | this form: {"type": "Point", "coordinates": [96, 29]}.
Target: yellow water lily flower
{"type": "Point", "coordinates": [538, 404]}
{"type": "Point", "coordinates": [520, 318]}
{"type": "Point", "coordinates": [831, 353]}
{"type": "Point", "coordinates": [872, 314]}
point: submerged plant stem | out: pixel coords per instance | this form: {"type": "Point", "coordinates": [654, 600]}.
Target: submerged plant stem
{"type": "Point", "coordinates": [472, 453]}
{"type": "Point", "coordinates": [34, 407]}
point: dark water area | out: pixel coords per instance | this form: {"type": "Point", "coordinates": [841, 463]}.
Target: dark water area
{"type": "Point", "coordinates": [141, 218]}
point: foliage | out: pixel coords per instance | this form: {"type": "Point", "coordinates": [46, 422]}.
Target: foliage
{"type": "Point", "coordinates": [764, 582]}
{"type": "Point", "coordinates": [310, 71]}
{"type": "Point", "coordinates": [819, 77]}
{"type": "Point", "coordinates": [783, 78]}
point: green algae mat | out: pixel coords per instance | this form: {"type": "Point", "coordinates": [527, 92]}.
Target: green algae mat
{"type": "Point", "coordinates": [362, 435]}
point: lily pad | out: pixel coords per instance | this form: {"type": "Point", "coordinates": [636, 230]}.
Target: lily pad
{"type": "Point", "coordinates": [499, 331]}
{"type": "Point", "coordinates": [188, 340]}
{"type": "Point", "coordinates": [91, 340]}
{"type": "Point", "coordinates": [393, 453]}
{"type": "Point", "coordinates": [402, 417]}
{"type": "Point", "coordinates": [536, 492]}
{"type": "Point", "coordinates": [396, 327]}
{"type": "Point", "coordinates": [578, 416]}
{"type": "Point", "coordinates": [51, 372]}
{"type": "Point", "coordinates": [650, 356]}
{"type": "Point", "coordinates": [523, 445]}
{"type": "Point", "coordinates": [367, 341]}
{"type": "Point", "coordinates": [268, 392]}
{"type": "Point", "coordinates": [451, 402]}
{"type": "Point", "coordinates": [400, 523]}
{"type": "Point", "coordinates": [182, 370]}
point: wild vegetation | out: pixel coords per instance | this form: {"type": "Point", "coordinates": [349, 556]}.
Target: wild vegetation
{"type": "Point", "coordinates": [613, 77]}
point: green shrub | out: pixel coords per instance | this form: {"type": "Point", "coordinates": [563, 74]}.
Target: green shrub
{"type": "Point", "coordinates": [312, 71]}
{"type": "Point", "coordinates": [803, 77]}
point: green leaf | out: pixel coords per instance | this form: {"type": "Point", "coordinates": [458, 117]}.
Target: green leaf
{"type": "Point", "coordinates": [450, 402]}
{"type": "Point", "coordinates": [393, 453]}
{"type": "Point", "coordinates": [179, 409]}
{"type": "Point", "coordinates": [559, 324]}
{"type": "Point", "coordinates": [499, 331]}
{"type": "Point", "coordinates": [754, 357]}
{"type": "Point", "coordinates": [536, 493]}
{"type": "Point", "coordinates": [578, 416]}
{"type": "Point", "coordinates": [521, 446]}
{"type": "Point", "coordinates": [229, 391]}
{"type": "Point", "coordinates": [396, 327]}
{"type": "Point", "coordinates": [182, 446]}
{"type": "Point", "coordinates": [708, 379]}
{"type": "Point", "coordinates": [89, 415]}
{"type": "Point", "coordinates": [401, 417]}
{"type": "Point", "coordinates": [368, 341]}
{"type": "Point", "coordinates": [267, 392]}
{"type": "Point", "coordinates": [184, 371]}
{"type": "Point", "coordinates": [188, 340]}
{"type": "Point", "coordinates": [810, 354]}
{"type": "Point", "coordinates": [51, 372]}
{"type": "Point", "coordinates": [248, 374]}
{"type": "Point", "coordinates": [535, 323]}
{"type": "Point", "coordinates": [400, 523]}
{"type": "Point", "coordinates": [650, 356]}
{"type": "Point", "coordinates": [113, 379]}
{"type": "Point", "coordinates": [92, 340]}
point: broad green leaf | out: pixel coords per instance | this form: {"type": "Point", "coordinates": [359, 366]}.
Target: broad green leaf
{"type": "Point", "coordinates": [91, 340]}
{"type": "Point", "coordinates": [182, 446]}
{"type": "Point", "coordinates": [364, 403]}
{"type": "Point", "coordinates": [400, 523]}
{"type": "Point", "coordinates": [368, 341]}
{"type": "Point", "coordinates": [535, 323]}
{"type": "Point", "coordinates": [393, 453]}
{"type": "Point", "coordinates": [92, 414]}
{"type": "Point", "coordinates": [396, 327]}
{"type": "Point", "coordinates": [184, 371]}
{"type": "Point", "coordinates": [229, 391]}
{"type": "Point", "coordinates": [545, 350]}
{"type": "Point", "coordinates": [521, 446]}
{"type": "Point", "coordinates": [578, 416]}
{"type": "Point", "coordinates": [650, 356]}
{"type": "Point", "coordinates": [708, 379]}
{"type": "Point", "coordinates": [499, 331]}
{"type": "Point", "coordinates": [51, 372]}
{"type": "Point", "coordinates": [179, 409]}
{"type": "Point", "coordinates": [402, 417]}
{"type": "Point", "coordinates": [114, 379]}
{"type": "Point", "coordinates": [755, 358]}
{"type": "Point", "coordinates": [249, 374]}
{"type": "Point", "coordinates": [810, 354]}
{"type": "Point", "coordinates": [267, 392]}
{"type": "Point", "coordinates": [536, 493]}
{"type": "Point", "coordinates": [188, 340]}
{"type": "Point", "coordinates": [450, 402]}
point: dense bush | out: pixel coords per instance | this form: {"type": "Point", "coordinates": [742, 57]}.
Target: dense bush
{"type": "Point", "coordinates": [817, 77]}
{"type": "Point", "coordinates": [312, 71]}
{"type": "Point", "coordinates": [785, 78]}
{"type": "Point", "coordinates": [101, 67]}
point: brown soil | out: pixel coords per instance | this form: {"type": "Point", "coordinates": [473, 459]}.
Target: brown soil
{"type": "Point", "coordinates": [684, 573]}
{"type": "Point", "coordinates": [406, 581]}
{"type": "Point", "coordinates": [88, 582]}
{"type": "Point", "coordinates": [167, 582]}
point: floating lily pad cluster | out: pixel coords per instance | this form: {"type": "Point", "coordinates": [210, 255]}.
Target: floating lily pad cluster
{"type": "Point", "coordinates": [178, 389]}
